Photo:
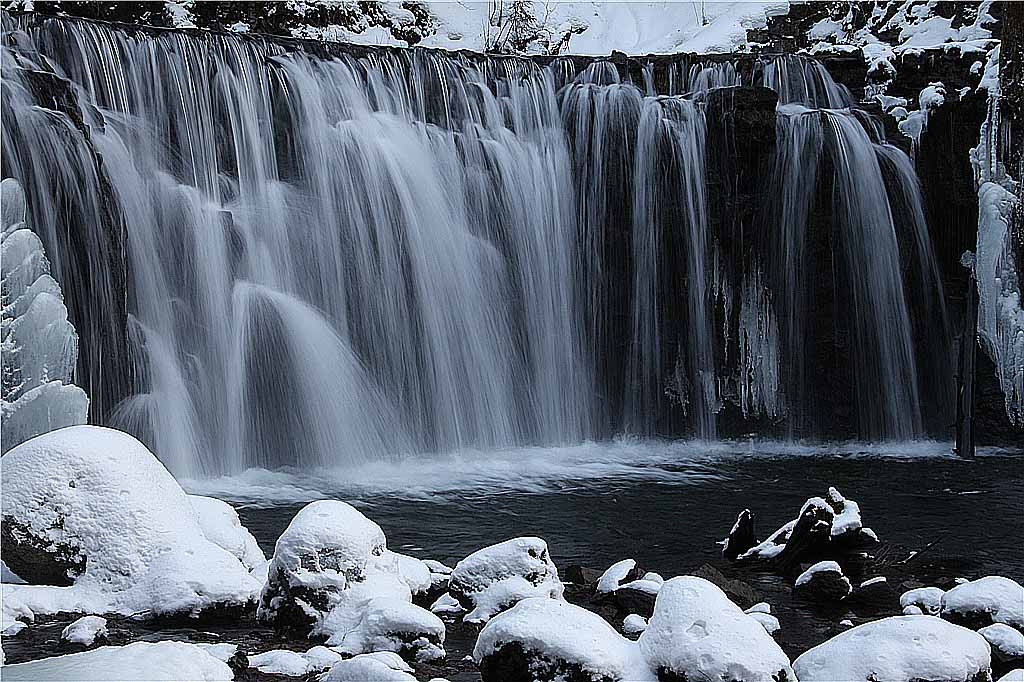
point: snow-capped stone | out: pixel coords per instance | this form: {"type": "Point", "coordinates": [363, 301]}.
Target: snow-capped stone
{"type": "Point", "coordinates": [91, 507]}
{"type": "Point", "coordinates": [1007, 644]}
{"type": "Point", "coordinates": [1016, 675]}
{"type": "Point", "coordinates": [280, 662]}
{"type": "Point", "coordinates": [769, 622]}
{"type": "Point", "coordinates": [415, 573]}
{"type": "Point", "coordinates": [823, 581]}
{"type": "Point", "coordinates": [926, 600]}
{"type": "Point", "coordinates": [325, 549]}
{"type": "Point", "coordinates": [759, 607]}
{"type": "Point", "coordinates": [898, 649]}
{"type": "Point", "coordinates": [155, 661]}
{"type": "Point", "coordinates": [546, 639]}
{"type": "Point", "coordinates": [294, 663]}
{"type": "Point", "coordinates": [653, 577]}
{"type": "Point", "coordinates": [638, 595]}
{"type": "Point", "coordinates": [440, 577]}
{"type": "Point", "coordinates": [85, 631]}
{"type": "Point", "coordinates": [993, 599]}
{"type": "Point", "coordinates": [385, 624]}
{"type": "Point", "coordinates": [696, 632]}
{"type": "Point", "coordinates": [495, 578]}
{"type": "Point", "coordinates": [634, 624]}
{"type": "Point", "coordinates": [874, 595]}
{"type": "Point", "coordinates": [222, 527]}
{"type": "Point", "coordinates": [615, 575]}
{"type": "Point", "coordinates": [446, 603]}
{"type": "Point", "coordinates": [374, 667]}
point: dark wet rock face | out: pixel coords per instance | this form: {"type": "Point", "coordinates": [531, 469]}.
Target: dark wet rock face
{"type": "Point", "coordinates": [37, 559]}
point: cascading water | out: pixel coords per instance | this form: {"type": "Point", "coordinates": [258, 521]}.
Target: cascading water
{"type": "Point", "coordinates": [329, 260]}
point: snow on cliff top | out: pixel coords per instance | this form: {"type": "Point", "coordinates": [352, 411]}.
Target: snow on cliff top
{"type": "Point", "coordinates": [600, 27]}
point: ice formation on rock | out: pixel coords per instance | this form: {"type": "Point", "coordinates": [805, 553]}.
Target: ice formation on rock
{"type": "Point", "coordinates": [39, 344]}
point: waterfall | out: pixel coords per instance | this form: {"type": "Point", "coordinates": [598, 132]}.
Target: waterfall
{"type": "Point", "coordinates": [299, 256]}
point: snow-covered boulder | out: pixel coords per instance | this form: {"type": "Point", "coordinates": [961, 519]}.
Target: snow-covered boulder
{"type": "Point", "coordinates": [1016, 675]}
{"type": "Point", "coordinates": [899, 649]}
{"type": "Point", "coordinates": [825, 528]}
{"type": "Point", "coordinates": [769, 622]}
{"type": "Point", "coordinates": [993, 599]}
{"type": "Point", "coordinates": [85, 631]}
{"type": "Point", "coordinates": [1007, 644]}
{"type": "Point", "coordinates": [155, 661]}
{"type": "Point", "coordinates": [494, 578]}
{"type": "Point", "coordinates": [375, 667]}
{"type": "Point", "coordinates": [824, 581]}
{"type": "Point", "coordinates": [615, 575]}
{"type": "Point", "coordinates": [222, 527]}
{"type": "Point", "coordinates": [385, 624]}
{"type": "Point", "coordinates": [327, 547]}
{"type": "Point", "coordinates": [446, 604]}
{"type": "Point", "coordinates": [294, 663]}
{"type": "Point", "coordinates": [91, 507]}
{"type": "Point", "coordinates": [638, 595]}
{"type": "Point", "coordinates": [634, 624]}
{"type": "Point", "coordinates": [547, 639]}
{"type": "Point", "coordinates": [697, 633]}
{"type": "Point", "coordinates": [922, 601]}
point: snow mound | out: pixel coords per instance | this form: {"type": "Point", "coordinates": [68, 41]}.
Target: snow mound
{"type": "Point", "coordinates": [85, 631]}
{"type": "Point", "coordinates": [769, 622]}
{"type": "Point", "coordinates": [222, 527]}
{"type": "Point", "coordinates": [446, 603]}
{"type": "Point", "coordinates": [897, 649]}
{"type": "Point", "coordinates": [927, 600]}
{"type": "Point", "coordinates": [92, 507]}
{"type": "Point", "coordinates": [549, 639]}
{"type": "Point", "coordinates": [1013, 676]}
{"type": "Point", "coordinates": [494, 578]}
{"type": "Point", "coordinates": [696, 632]}
{"type": "Point", "coordinates": [634, 624]}
{"type": "Point", "coordinates": [159, 662]}
{"type": "Point", "coordinates": [375, 667]}
{"type": "Point", "coordinates": [993, 599]}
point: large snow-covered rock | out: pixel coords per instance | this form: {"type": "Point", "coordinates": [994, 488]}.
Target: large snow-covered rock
{"type": "Point", "coordinates": [326, 548]}
{"type": "Point", "coordinates": [899, 649]}
{"type": "Point", "coordinates": [697, 633]}
{"type": "Point", "coordinates": [547, 639]}
{"type": "Point", "coordinates": [993, 599]}
{"type": "Point", "coordinates": [494, 578]}
{"type": "Point", "coordinates": [158, 662]}
{"type": "Point", "coordinates": [222, 527]}
{"type": "Point", "coordinates": [332, 577]}
{"type": "Point", "coordinates": [615, 575]}
{"type": "Point", "coordinates": [91, 507]}
{"type": "Point", "coordinates": [40, 346]}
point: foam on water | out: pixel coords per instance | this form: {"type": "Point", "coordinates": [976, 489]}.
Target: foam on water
{"type": "Point", "coordinates": [538, 470]}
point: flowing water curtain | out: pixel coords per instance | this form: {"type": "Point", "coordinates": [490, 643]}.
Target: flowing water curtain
{"type": "Point", "coordinates": [601, 117]}
{"type": "Point", "coordinates": [671, 296]}
{"type": "Point", "coordinates": [284, 211]}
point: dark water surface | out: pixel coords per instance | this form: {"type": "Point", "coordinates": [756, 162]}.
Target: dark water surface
{"type": "Point", "coordinates": [973, 507]}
